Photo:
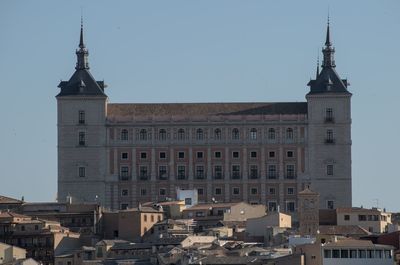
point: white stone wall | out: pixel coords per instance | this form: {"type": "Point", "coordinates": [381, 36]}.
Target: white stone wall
{"type": "Point", "coordinates": [336, 187]}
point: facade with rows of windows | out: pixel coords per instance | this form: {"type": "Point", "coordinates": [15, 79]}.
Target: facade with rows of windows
{"type": "Point", "coordinates": [123, 154]}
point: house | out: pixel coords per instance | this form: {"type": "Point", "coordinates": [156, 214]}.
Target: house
{"type": "Point", "coordinates": [374, 220]}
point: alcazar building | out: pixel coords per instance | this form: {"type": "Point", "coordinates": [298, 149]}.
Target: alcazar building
{"type": "Point", "coordinates": [258, 152]}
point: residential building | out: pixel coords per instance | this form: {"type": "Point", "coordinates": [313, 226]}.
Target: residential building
{"type": "Point", "coordinates": [121, 155]}
{"type": "Point", "coordinates": [42, 239]}
{"type": "Point", "coordinates": [130, 224]}
{"type": "Point", "coordinates": [356, 252]}
{"type": "Point", "coordinates": [308, 212]}
{"type": "Point", "coordinates": [9, 253]}
{"type": "Point", "coordinates": [374, 220]}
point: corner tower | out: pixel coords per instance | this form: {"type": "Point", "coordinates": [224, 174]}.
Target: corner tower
{"type": "Point", "coordinates": [81, 114]}
{"type": "Point", "coordinates": [329, 133]}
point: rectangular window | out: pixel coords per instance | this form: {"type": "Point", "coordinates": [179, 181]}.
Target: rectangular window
{"type": "Point", "coordinates": [181, 155]}
{"type": "Point", "coordinates": [235, 172]}
{"type": "Point", "coordinates": [344, 253]}
{"type": "Point", "coordinates": [272, 174]}
{"type": "Point", "coordinates": [290, 172]}
{"type": "Point", "coordinates": [346, 217]}
{"type": "Point", "coordinates": [143, 173]}
{"type": "Point", "coordinates": [163, 192]}
{"type": "Point", "coordinates": [272, 206]}
{"type": "Point", "coordinates": [362, 253]}
{"type": "Point", "coordinates": [217, 154]}
{"type": "Point", "coordinates": [200, 191]}
{"type": "Point", "coordinates": [290, 207]}
{"type": "Point", "coordinates": [199, 155]}
{"type": "Point", "coordinates": [289, 154]}
{"type": "Point", "coordinates": [217, 172]}
{"type": "Point", "coordinates": [181, 172]}
{"type": "Point", "coordinates": [253, 191]}
{"type": "Point", "coordinates": [82, 138]}
{"type": "Point", "coordinates": [199, 172]}
{"type": "Point", "coordinates": [143, 155]}
{"type": "Point", "coordinates": [330, 204]}
{"type": "Point", "coordinates": [162, 172]}
{"type": "Point", "coordinates": [329, 137]}
{"type": "Point", "coordinates": [328, 115]}
{"type": "Point", "coordinates": [290, 191]}
{"type": "Point", "coordinates": [271, 154]}
{"type": "Point", "coordinates": [327, 253]}
{"type": "Point", "coordinates": [335, 253]}
{"type": "Point", "coordinates": [362, 217]}
{"type": "Point", "coordinates": [253, 172]}
{"type": "Point", "coordinates": [81, 118]}
{"type": "Point", "coordinates": [82, 172]}
{"type": "Point", "coordinates": [272, 191]}
{"type": "Point", "coordinates": [235, 154]}
{"type": "Point", "coordinates": [124, 206]}
{"type": "Point", "coordinates": [124, 192]}
{"type": "Point", "coordinates": [162, 155]}
{"type": "Point", "coordinates": [143, 192]}
{"type": "Point", "coordinates": [124, 172]}
{"type": "Point", "coordinates": [236, 191]}
{"type": "Point", "coordinates": [329, 170]}
{"type": "Point", "coordinates": [124, 156]}
{"type": "Point", "coordinates": [253, 154]}
{"type": "Point", "coordinates": [218, 191]}
{"type": "Point", "coordinates": [353, 253]}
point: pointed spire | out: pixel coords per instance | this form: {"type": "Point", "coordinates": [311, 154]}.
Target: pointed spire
{"type": "Point", "coordinates": [328, 35]}
{"type": "Point", "coordinates": [82, 53]}
{"type": "Point", "coordinates": [81, 44]}
{"type": "Point", "coordinates": [317, 74]}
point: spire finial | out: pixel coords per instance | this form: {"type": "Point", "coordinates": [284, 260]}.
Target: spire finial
{"type": "Point", "coordinates": [317, 74]}
{"type": "Point", "coordinates": [81, 44]}
{"type": "Point", "coordinates": [328, 35]}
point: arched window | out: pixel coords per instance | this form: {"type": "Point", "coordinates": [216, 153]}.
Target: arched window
{"type": "Point", "coordinates": [199, 134]}
{"type": "Point", "coordinates": [217, 134]}
{"type": "Point", "coordinates": [289, 133]}
{"type": "Point", "coordinates": [181, 134]}
{"type": "Point", "coordinates": [143, 135]}
{"type": "Point", "coordinates": [124, 135]}
{"type": "Point", "coordinates": [271, 134]}
{"type": "Point", "coordinates": [162, 135]}
{"type": "Point", "coordinates": [235, 134]}
{"type": "Point", "coordinates": [253, 134]}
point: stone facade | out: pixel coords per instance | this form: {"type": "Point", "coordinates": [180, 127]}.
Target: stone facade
{"type": "Point", "coordinates": [263, 153]}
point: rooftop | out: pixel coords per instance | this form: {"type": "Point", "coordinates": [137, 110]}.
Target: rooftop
{"type": "Point", "coordinates": [114, 111]}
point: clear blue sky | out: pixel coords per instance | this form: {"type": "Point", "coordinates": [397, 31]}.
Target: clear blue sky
{"type": "Point", "coordinates": [197, 51]}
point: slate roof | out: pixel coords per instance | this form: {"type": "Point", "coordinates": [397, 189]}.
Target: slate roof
{"type": "Point", "coordinates": [82, 83]}
{"type": "Point", "coordinates": [8, 200]}
{"type": "Point", "coordinates": [240, 108]}
{"type": "Point", "coordinates": [328, 81]}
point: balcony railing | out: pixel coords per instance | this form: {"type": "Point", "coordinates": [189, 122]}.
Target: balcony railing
{"type": "Point", "coordinates": [272, 175]}
{"type": "Point", "coordinates": [329, 120]}
{"type": "Point", "coordinates": [163, 177]}
{"type": "Point", "coordinates": [124, 177]}
{"type": "Point", "coordinates": [329, 141]}
{"type": "Point", "coordinates": [236, 176]}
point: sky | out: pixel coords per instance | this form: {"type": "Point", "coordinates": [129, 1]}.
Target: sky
{"type": "Point", "coordinates": [197, 51]}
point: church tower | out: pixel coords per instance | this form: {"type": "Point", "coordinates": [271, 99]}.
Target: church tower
{"type": "Point", "coordinates": [308, 212]}
{"type": "Point", "coordinates": [329, 133]}
{"type": "Point", "coordinates": [81, 115]}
